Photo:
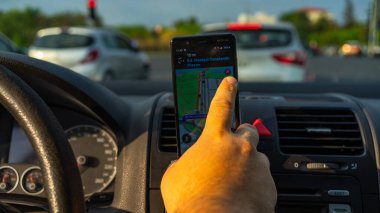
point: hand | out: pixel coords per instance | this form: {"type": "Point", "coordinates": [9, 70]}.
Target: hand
{"type": "Point", "coordinates": [222, 171]}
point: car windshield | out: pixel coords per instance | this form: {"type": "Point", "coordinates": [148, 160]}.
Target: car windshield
{"type": "Point", "coordinates": [63, 41]}
{"type": "Point", "coordinates": [296, 41]}
{"type": "Point", "coordinates": [3, 46]}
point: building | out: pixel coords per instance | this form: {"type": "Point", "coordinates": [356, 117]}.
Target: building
{"type": "Point", "coordinates": [315, 14]}
{"type": "Point", "coordinates": [257, 17]}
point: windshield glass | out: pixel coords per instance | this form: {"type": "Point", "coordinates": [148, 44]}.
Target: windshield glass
{"type": "Point", "coordinates": [64, 41]}
{"type": "Point", "coordinates": [295, 41]}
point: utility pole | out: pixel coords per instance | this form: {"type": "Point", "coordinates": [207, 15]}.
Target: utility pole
{"type": "Point", "coordinates": [372, 34]}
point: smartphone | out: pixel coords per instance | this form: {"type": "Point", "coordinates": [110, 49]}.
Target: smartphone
{"type": "Point", "coordinates": [199, 64]}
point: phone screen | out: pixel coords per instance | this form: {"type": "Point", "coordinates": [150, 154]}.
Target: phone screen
{"type": "Point", "coordinates": [199, 65]}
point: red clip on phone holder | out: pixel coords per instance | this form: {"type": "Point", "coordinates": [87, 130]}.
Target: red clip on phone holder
{"type": "Point", "coordinates": [261, 128]}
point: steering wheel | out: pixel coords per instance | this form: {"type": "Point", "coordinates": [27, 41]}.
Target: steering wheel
{"type": "Point", "coordinates": [60, 174]}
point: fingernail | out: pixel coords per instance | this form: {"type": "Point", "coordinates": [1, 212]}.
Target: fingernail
{"type": "Point", "coordinates": [232, 81]}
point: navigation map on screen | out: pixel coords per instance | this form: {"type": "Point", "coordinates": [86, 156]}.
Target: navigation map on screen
{"type": "Point", "coordinates": [194, 98]}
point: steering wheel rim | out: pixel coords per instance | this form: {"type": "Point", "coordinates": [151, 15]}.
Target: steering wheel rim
{"type": "Point", "coordinates": [61, 177]}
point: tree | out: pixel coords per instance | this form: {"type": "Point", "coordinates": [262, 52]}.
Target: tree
{"type": "Point", "coordinates": [187, 26]}
{"type": "Point", "coordinates": [21, 26]}
{"type": "Point", "coordinates": [67, 19]}
{"type": "Point", "coordinates": [135, 31]}
{"type": "Point", "coordinates": [324, 24]}
{"type": "Point", "coordinates": [300, 22]}
{"type": "Point", "coordinates": [348, 14]}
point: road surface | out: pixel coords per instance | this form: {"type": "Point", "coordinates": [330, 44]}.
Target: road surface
{"type": "Point", "coordinates": [326, 69]}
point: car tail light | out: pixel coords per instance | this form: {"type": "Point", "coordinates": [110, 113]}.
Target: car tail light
{"type": "Point", "coordinates": [91, 56]}
{"type": "Point", "coordinates": [244, 26]}
{"type": "Point", "coordinates": [298, 58]}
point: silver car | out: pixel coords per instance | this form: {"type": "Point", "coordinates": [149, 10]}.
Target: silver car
{"type": "Point", "coordinates": [266, 52]}
{"type": "Point", "coordinates": [98, 54]}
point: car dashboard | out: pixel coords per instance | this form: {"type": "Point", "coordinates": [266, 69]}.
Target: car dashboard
{"type": "Point", "coordinates": [94, 143]}
{"type": "Point", "coordinates": [323, 147]}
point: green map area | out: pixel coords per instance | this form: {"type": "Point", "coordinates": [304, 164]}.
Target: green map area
{"type": "Point", "coordinates": [188, 87]}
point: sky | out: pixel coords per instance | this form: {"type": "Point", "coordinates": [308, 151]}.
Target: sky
{"type": "Point", "coordinates": [152, 12]}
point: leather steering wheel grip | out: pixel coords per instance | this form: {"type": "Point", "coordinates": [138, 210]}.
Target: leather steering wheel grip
{"type": "Point", "coordinates": [60, 174]}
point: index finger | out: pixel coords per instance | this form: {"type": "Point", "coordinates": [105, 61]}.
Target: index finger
{"type": "Point", "coordinates": [219, 117]}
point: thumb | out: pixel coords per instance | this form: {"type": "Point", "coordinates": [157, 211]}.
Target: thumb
{"type": "Point", "coordinates": [219, 117]}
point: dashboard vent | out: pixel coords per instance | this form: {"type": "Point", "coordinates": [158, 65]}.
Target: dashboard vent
{"type": "Point", "coordinates": [168, 140]}
{"type": "Point", "coordinates": [319, 131]}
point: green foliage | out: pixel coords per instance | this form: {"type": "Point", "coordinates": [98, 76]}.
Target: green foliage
{"type": "Point", "coordinates": [323, 25]}
{"type": "Point", "coordinates": [158, 38]}
{"type": "Point", "coordinates": [187, 26]}
{"type": "Point", "coordinates": [21, 26]}
{"type": "Point", "coordinates": [300, 22]}
{"type": "Point", "coordinates": [338, 36]}
{"type": "Point", "coordinates": [66, 19]}
{"type": "Point", "coordinates": [326, 31]}
{"type": "Point", "coordinates": [135, 31]}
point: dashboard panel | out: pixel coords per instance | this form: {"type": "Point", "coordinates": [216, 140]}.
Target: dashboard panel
{"type": "Point", "coordinates": [319, 182]}
{"type": "Point", "coordinates": [321, 149]}
{"type": "Point", "coordinates": [95, 147]}
{"type": "Point", "coordinates": [20, 150]}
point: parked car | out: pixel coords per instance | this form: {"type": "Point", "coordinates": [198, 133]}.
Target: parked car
{"type": "Point", "coordinates": [375, 52]}
{"type": "Point", "coordinates": [266, 52]}
{"type": "Point", "coordinates": [351, 48]}
{"type": "Point", "coordinates": [312, 49]}
{"type": "Point", "coordinates": [99, 54]}
{"type": "Point", "coordinates": [8, 46]}
{"type": "Point", "coordinates": [330, 50]}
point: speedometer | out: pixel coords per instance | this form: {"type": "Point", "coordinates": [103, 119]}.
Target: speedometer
{"type": "Point", "coordinates": [95, 151]}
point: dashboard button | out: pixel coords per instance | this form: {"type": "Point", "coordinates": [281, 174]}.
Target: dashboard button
{"type": "Point", "coordinates": [338, 193]}
{"type": "Point", "coordinates": [321, 166]}
{"type": "Point", "coordinates": [339, 208]}
{"type": "Point", "coordinates": [261, 128]}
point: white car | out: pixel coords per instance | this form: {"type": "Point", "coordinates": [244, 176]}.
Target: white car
{"type": "Point", "coordinates": [98, 54]}
{"type": "Point", "coordinates": [266, 52]}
